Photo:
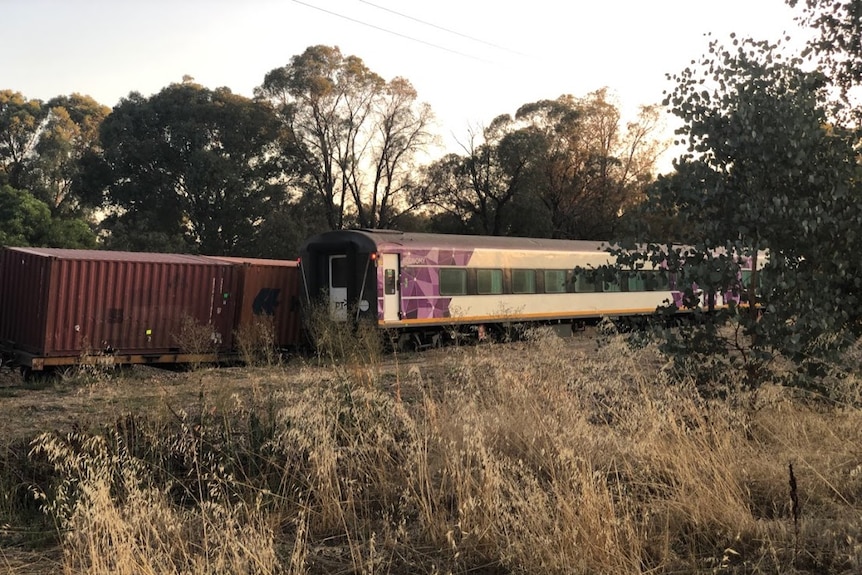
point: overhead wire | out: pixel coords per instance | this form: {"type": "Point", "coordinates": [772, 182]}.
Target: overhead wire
{"type": "Point", "coordinates": [443, 28]}
{"type": "Point", "coordinates": [388, 31]}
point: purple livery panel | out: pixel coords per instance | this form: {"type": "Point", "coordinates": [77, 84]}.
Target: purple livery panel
{"type": "Point", "coordinates": [420, 280]}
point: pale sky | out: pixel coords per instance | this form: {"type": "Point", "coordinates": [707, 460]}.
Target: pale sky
{"type": "Point", "coordinates": [470, 60]}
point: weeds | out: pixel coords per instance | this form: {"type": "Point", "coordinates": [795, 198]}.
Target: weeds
{"type": "Point", "coordinates": [532, 457]}
{"type": "Point", "coordinates": [256, 342]}
{"type": "Point", "coordinates": [354, 349]}
{"type": "Point", "coordinates": [196, 338]}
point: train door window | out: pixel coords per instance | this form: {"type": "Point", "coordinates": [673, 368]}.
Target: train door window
{"type": "Point", "coordinates": [489, 281]}
{"type": "Point", "coordinates": [523, 281]}
{"type": "Point", "coordinates": [338, 272]}
{"type": "Point", "coordinates": [555, 281]}
{"type": "Point", "coordinates": [389, 282]}
{"type": "Point", "coordinates": [453, 281]}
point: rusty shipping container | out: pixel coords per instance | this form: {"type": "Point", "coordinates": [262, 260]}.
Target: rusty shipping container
{"type": "Point", "coordinates": [269, 289]}
{"type": "Point", "coordinates": [59, 304]}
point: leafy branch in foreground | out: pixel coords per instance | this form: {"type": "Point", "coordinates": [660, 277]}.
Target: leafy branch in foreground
{"type": "Point", "coordinates": [769, 181]}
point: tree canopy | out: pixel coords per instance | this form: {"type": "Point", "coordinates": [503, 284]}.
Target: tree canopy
{"type": "Point", "coordinates": [188, 169]}
{"type": "Point", "coordinates": [563, 168]}
{"type": "Point", "coordinates": [41, 145]}
{"type": "Point", "coordinates": [325, 143]}
{"type": "Point", "coordinates": [354, 135]}
{"type": "Point", "coordinates": [27, 221]}
{"type": "Point", "coordinates": [770, 180]}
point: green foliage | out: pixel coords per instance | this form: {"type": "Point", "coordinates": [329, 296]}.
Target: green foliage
{"type": "Point", "coordinates": [70, 232]}
{"type": "Point", "coordinates": [27, 221]}
{"type": "Point", "coordinates": [190, 163]}
{"type": "Point", "coordinates": [766, 174]}
{"type": "Point", "coordinates": [20, 119]}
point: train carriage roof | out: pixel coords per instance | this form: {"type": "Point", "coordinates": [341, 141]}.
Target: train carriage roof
{"type": "Point", "coordinates": [367, 241]}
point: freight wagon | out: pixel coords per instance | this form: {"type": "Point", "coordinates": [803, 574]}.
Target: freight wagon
{"type": "Point", "coordinates": [63, 307]}
{"type": "Point", "coordinates": [269, 291]}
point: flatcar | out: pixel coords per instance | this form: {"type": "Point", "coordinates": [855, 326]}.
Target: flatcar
{"type": "Point", "coordinates": [417, 282]}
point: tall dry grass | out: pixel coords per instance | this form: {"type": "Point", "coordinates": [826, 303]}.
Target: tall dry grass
{"type": "Point", "coordinates": [535, 457]}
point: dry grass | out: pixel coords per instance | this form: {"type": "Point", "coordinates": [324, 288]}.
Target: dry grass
{"type": "Point", "coordinates": [545, 456]}
{"type": "Point", "coordinates": [256, 342]}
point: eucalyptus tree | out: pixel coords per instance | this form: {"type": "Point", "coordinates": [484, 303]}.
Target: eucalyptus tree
{"type": "Point", "coordinates": [20, 122]}
{"type": "Point", "coordinates": [70, 132]}
{"type": "Point", "coordinates": [594, 168]}
{"type": "Point", "coordinates": [188, 169]}
{"type": "Point", "coordinates": [479, 189]}
{"type": "Point", "coordinates": [354, 135]}
{"type": "Point", "coordinates": [42, 144]}
{"type": "Point", "coordinates": [563, 168]}
{"type": "Point", "coordinates": [766, 172]}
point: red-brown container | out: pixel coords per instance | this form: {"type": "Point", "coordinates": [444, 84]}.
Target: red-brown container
{"type": "Point", "coordinates": [269, 289]}
{"type": "Point", "coordinates": [61, 302]}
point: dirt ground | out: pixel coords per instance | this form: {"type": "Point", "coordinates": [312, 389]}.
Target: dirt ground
{"type": "Point", "coordinates": [72, 400]}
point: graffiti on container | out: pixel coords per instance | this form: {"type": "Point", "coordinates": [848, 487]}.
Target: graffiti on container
{"type": "Point", "coordinates": [265, 301]}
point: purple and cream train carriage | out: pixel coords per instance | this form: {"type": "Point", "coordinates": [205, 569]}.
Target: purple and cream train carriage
{"type": "Point", "coordinates": [418, 282]}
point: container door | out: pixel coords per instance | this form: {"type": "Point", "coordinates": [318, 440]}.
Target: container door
{"type": "Point", "coordinates": [391, 288]}
{"type": "Point", "coordinates": [338, 287]}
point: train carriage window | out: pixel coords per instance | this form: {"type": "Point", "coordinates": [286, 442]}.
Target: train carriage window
{"type": "Point", "coordinates": [638, 281]}
{"type": "Point", "coordinates": [489, 281]}
{"type": "Point", "coordinates": [555, 281]}
{"type": "Point", "coordinates": [584, 281]}
{"type": "Point", "coordinates": [523, 281]}
{"type": "Point", "coordinates": [658, 281]}
{"type": "Point", "coordinates": [613, 285]}
{"type": "Point", "coordinates": [453, 281]}
{"type": "Point", "coordinates": [745, 278]}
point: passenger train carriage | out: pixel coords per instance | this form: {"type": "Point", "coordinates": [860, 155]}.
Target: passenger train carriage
{"type": "Point", "coordinates": [416, 281]}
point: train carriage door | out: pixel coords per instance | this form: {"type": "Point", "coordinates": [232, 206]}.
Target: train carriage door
{"type": "Point", "coordinates": [391, 288]}
{"type": "Point", "coordinates": [338, 287]}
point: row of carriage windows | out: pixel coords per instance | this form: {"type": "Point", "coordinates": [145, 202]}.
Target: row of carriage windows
{"type": "Point", "coordinates": [461, 281]}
